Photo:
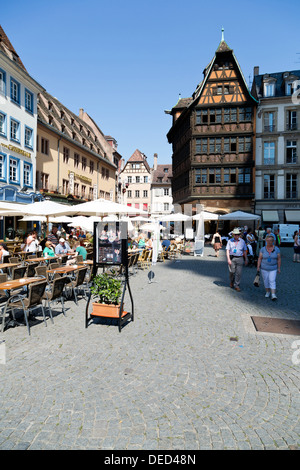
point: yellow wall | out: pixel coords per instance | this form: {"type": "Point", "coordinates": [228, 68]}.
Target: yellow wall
{"type": "Point", "coordinates": [48, 164]}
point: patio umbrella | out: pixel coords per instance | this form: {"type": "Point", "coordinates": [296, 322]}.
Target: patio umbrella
{"type": "Point", "coordinates": [206, 216]}
{"type": "Point", "coordinates": [151, 227]}
{"type": "Point", "coordinates": [101, 207]}
{"type": "Point", "coordinates": [140, 218]}
{"type": "Point", "coordinates": [45, 208]}
{"type": "Point", "coordinates": [239, 215]}
{"type": "Point", "coordinates": [178, 217]}
{"type": "Point", "coordinates": [110, 218]}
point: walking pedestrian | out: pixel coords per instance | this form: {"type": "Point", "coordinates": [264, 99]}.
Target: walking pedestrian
{"type": "Point", "coordinates": [236, 253]}
{"type": "Point", "coordinates": [296, 256]}
{"type": "Point", "coordinates": [269, 264]}
{"type": "Point", "coordinates": [217, 242]}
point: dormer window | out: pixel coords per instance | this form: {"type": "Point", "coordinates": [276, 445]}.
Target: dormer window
{"type": "Point", "coordinates": [269, 89]}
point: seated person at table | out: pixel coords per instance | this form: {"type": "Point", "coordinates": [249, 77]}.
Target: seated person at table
{"type": "Point", "coordinates": [48, 250]}
{"type": "Point", "coordinates": [3, 252]}
{"type": "Point", "coordinates": [165, 244]}
{"type": "Point", "coordinates": [80, 249]}
{"type": "Point", "coordinates": [63, 247]}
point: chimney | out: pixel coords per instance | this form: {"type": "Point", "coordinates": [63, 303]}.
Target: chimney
{"type": "Point", "coordinates": [256, 71]}
{"type": "Point", "coordinates": [155, 162]}
{"type": "Point", "coordinates": [81, 112]}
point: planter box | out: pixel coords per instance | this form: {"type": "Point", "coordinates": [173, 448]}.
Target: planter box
{"type": "Point", "coordinates": [104, 310]}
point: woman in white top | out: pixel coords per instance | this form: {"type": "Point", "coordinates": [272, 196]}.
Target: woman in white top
{"type": "Point", "coordinates": [217, 243]}
{"type": "Point", "coordinates": [3, 252]}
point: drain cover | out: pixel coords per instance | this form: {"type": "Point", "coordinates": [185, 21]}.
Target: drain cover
{"type": "Point", "coordinates": [277, 325]}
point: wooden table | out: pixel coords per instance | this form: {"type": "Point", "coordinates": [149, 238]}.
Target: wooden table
{"type": "Point", "coordinates": [18, 283]}
{"type": "Point", "coordinates": [87, 261]}
{"type": "Point", "coordinates": [9, 265]}
{"type": "Point", "coordinates": [63, 269]}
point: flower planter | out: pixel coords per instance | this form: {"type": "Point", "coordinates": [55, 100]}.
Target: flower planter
{"type": "Point", "coordinates": [105, 310]}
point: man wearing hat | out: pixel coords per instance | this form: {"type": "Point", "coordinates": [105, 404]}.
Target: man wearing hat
{"type": "Point", "coordinates": [63, 247]}
{"type": "Point", "coordinates": [236, 252]}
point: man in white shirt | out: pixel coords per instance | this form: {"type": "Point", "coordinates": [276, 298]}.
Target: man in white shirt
{"type": "Point", "coordinates": [63, 247]}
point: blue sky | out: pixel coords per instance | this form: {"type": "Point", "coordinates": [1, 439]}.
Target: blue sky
{"type": "Point", "coordinates": [126, 61]}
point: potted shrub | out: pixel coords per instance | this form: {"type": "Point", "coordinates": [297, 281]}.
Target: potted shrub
{"type": "Point", "coordinates": [107, 291]}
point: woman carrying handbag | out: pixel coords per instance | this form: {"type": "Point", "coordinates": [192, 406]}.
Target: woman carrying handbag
{"type": "Point", "coordinates": [269, 263]}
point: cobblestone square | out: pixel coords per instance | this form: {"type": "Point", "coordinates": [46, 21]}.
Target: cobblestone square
{"type": "Point", "coordinates": [189, 373]}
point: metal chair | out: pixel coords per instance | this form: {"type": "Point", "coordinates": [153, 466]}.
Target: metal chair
{"type": "Point", "coordinates": [41, 271]}
{"type": "Point", "coordinates": [56, 292]}
{"type": "Point", "coordinates": [30, 272]}
{"type": "Point", "coordinates": [18, 272]}
{"type": "Point", "coordinates": [75, 284]}
{"type": "Point", "coordinates": [14, 259]}
{"type": "Point", "coordinates": [27, 304]}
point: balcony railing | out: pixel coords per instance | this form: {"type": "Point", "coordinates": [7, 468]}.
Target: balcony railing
{"type": "Point", "coordinates": [292, 126]}
{"type": "Point", "coordinates": [270, 128]}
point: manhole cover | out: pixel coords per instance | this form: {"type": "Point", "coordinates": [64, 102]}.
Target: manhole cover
{"type": "Point", "coordinates": [277, 325]}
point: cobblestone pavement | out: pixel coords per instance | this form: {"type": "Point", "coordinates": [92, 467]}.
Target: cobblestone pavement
{"type": "Point", "coordinates": [172, 379]}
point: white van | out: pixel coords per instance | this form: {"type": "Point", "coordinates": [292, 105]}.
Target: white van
{"type": "Point", "coordinates": [286, 232]}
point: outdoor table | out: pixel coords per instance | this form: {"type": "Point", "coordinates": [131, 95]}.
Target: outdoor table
{"type": "Point", "coordinates": [87, 261]}
{"type": "Point", "coordinates": [17, 283]}
{"type": "Point", "coordinates": [9, 265]}
{"type": "Point", "coordinates": [63, 269]}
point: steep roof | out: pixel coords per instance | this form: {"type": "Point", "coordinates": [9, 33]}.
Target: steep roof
{"type": "Point", "coordinates": [160, 175]}
{"type": "Point", "coordinates": [57, 116]}
{"type": "Point", "coordinates": [186, 103]}
{"type": "Point", "coordinates": [138, 157]}
{"type": "Point", "coordinates": [8, 49]}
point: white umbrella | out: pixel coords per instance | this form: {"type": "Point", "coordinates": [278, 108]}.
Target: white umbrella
{"type": "Point", "coordinates": [60, 219]}
{"type": "Point", "coordinates": [110, 218]}
{"type": "Point", "coordinates": [33, 218]}
{"type": "Point", "coordinates": [45, 207]}
{"type": "Point", "coordinates": [239, 215]}
{"type": "Point", "coordinates": [139, 218]}
{"type": "Point", "coordinates": [151, 227]}
{"type": "Point", "coordinates": [101, 207]}
{"type": "Point", "coordinates": [206, 216]}
{"type": "Point", "coordinates": [178, 217]}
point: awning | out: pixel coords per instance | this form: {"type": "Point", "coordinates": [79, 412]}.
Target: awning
{"type": "Point", "coordinates": [270, 216]}
{"type": "Point", "coordinates": [292, 216]}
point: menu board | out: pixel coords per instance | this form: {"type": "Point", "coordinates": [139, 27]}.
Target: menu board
{"type": "Point", "coordinates": [110, 239]}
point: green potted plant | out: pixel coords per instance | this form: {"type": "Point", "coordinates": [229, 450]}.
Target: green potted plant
{"type": "Point", "coordinates": [107, 291]}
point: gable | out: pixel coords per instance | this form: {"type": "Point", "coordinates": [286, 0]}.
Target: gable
{"type": "Point", "coordinates": [224, 82]}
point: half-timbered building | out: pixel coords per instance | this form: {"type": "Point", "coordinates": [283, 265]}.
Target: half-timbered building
{"type": "Point", "coordinates": [212, 137]}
